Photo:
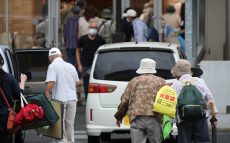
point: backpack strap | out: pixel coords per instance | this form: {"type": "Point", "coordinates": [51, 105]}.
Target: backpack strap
{"type": "Point", "coordinates": [4, 97]}
{"type": "Point", "coordinates": [102, 24]}
{"type": "Point", "coordinates": [191, 82]}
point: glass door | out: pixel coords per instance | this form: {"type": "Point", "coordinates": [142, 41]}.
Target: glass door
{"type": "Point", "coordinates": [22, 23]}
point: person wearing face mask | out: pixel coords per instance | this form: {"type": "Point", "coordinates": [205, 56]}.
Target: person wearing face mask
{"type": "Point", "coordinates": [87, 46]}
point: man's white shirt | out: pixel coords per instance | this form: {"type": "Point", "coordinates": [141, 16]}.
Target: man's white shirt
{"type": "Point", "coordinates": [65, 77]}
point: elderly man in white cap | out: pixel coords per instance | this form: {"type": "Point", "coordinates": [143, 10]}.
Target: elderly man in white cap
{"type": "Point", "coordinates": [137, 102]}
{"type": "Point", "coordinates": [62, 79]}
{"type": "Point", "coordinates": [196, 129]}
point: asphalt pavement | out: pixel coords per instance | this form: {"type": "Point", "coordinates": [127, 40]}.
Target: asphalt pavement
{"type": "Point", "coordinates": [223, 136]}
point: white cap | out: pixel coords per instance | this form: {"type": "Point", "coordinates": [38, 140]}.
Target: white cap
{"type": "Point", "coordinates": [54, 51]}
{"type": "Point", "coordinates": [131, 13]}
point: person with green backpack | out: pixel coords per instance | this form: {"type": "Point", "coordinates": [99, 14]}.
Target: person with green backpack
{"type": "Point", "coordinates": [194, 100]}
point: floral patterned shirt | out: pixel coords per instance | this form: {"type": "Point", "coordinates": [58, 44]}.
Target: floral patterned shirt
{"type": "Point", "coordinates": [139, 95]}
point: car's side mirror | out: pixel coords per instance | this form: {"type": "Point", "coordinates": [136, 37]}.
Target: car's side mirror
{"type": "Point", "coordinates": [196, 72]}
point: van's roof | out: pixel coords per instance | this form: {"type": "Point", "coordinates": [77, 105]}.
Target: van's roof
{"type": "Point", "coordinates": [140, 44]}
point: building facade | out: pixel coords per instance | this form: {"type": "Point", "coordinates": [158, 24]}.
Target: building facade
{"type": "Point", "coordinates": [207, 31]}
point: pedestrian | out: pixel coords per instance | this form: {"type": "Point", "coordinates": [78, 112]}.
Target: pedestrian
{"type": "Point", "coordinates": [141, 30]}
{"type": "Point", "coordinates": [62, 79]}
{"type": "Point", "coordinates": [87, 46]}
{"type": "Point", "coordinates": [137, 101]}
{"type": "Point", "coordinates": [126, 25]}
{"type": "Point", "coordinates": [173, 24]}
{"type": "Point", "coordinates": [82, 4]}
{"type": "Point", "coordinates": [107, 27]}
{"type": "Point", "coordinates": [139, 26]}
{"type": "Point", "coordinates": [90, 16]}
{"type": "Point", "coordinates": [192, 129]}
{"type": "Point", "coordinates": [11, 90]}
{"type": "Point", "coordinates": [65, 9]}
{"type": "Point", "coordinates": [71, 34]}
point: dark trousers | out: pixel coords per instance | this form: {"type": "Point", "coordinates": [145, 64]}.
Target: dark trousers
{"type": "Point", "coordinates": [85, 75]}
{"type": "Point", "coordinates": [193, 130]}
{"type": "Point", "coordinates": [71, 58]}
{"type": "Point", "coordinates": [5, 138]}
{"type": "Point", "coordinates": [8, 138]}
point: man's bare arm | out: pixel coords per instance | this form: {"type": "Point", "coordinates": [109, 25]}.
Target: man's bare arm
{"type": "Point", "coordinates": [49, 87]}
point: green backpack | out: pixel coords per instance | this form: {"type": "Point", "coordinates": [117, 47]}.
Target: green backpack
{"type": "Point", "coordinates": [190, 103]}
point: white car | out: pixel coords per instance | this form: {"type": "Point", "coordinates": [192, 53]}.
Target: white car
{"type": "Point", "coordinates": [113, 67]}
{"type": "Point", "coordinates": [9, 61]}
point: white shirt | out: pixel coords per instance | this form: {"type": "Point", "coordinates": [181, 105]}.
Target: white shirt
{"type": "Point", "coordinates": [199, 83]}
{"type": "Point", "coordinates": [65, 77]}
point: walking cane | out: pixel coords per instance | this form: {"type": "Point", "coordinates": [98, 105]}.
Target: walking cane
{"type": "Point", "coordinates": [214, 136]}
{"type": "Point", "coordinates": [212, 121]}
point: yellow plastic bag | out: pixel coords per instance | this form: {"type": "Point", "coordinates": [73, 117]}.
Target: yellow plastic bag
{"type": "Point", "coordinates": [165, 102]}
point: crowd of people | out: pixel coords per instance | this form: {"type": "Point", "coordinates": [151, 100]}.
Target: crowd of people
{"type": "Point", "coordinates": [140, 93]}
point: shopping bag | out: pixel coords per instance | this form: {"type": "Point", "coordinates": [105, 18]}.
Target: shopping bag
{"type": "Point", "coordinates": [28, 112]}
{"type": "Point", "coordinates": [50, 115]}
{"type": "Point", "coordinates": [55, 130]}
{"type": "Point", "coordinates": [11, 114]}
{"type": "Point", "coordinates": [167, 127]}
{"type": "Point", "coordinates": [10, 120]}
{"type": "Point", "coordinates": [165, 102]}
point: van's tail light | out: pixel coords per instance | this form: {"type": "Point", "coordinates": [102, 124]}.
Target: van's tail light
{"type": "Point", "coordinates": [91, 115]}
{"type": "Point", "coordinates": [101, 88]}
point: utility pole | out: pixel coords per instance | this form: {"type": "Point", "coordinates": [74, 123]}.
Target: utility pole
{"type": "Point", "coordinates": [118, 16]}
{"type": "Point", "coordinates": [118, 36]}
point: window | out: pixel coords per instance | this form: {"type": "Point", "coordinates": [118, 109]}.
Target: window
{"type": "Point", "coordinates": [26, 22]}
{"type": "Point", "coordinates": [34, 64]}
{"type": "Point", "coordinates": [122, 65]}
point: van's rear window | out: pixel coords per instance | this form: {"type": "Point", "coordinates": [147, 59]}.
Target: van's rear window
{"type": "Point", "coordinates": [122, 65]}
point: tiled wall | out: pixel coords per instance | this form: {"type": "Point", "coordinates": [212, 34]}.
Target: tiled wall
{"type": "Point", "coordinates": [21, 13]}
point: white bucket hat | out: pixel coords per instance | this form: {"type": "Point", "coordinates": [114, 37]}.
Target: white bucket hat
{"type": "Point", "coordinates": [54, 51]}
{"type": "Point", "coordinates": [147, 66]}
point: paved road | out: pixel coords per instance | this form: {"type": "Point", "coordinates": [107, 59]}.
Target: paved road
{"type": "Point", "coordinates": [81, 137]}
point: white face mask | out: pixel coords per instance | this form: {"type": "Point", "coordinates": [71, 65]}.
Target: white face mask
{"type": "Point", "coordinates": [92, 31]}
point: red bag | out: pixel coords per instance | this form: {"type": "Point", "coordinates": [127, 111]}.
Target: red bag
{"type": "Point", "coordinates": [11, 115]}
{"type": "Point", "coordinates": [27, 113]}
{"type": "Point", "coordinates": [10, 120]}
{"type": "Point", "coordinates": [38, 111]}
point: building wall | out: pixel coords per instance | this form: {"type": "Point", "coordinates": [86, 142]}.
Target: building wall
{"type": "Point", "coordinates": [21, 13]}
{"type": "Point", "coordinates": [1, 15]}
{"type": "Point", "coordinates": [214, 74]}
{"type": "Point", "coordinates": [215, 28]}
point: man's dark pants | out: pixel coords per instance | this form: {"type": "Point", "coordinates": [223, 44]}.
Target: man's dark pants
{"type": "Point", "coordinates": [196, 130]}
{"type": "Point", "coordinates": [85, 75]}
